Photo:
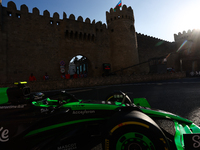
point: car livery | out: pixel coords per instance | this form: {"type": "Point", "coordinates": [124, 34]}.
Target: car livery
{"type": "Point", "coordinates": [57, 120]}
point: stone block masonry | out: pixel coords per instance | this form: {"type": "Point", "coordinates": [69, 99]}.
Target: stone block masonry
{"type": "Point", "coordinates": [34, 43]}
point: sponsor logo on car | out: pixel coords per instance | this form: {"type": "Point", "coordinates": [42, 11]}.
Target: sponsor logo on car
{"type": "Point", "coordinates": [83, 112]}
{"type": "Point", "coordinates": [12, 106]}
{"type": "Point", "coordinates": [4, 137]}
{"type": "Point", "coordinates": [67, 147]}
{"type": "Point", "coordinates": [43, 110]}
{"type": "Point", "coordinates": [192, 141]}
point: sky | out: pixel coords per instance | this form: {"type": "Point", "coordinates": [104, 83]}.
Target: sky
{"type": "Point", "coordinates": [156, 18]}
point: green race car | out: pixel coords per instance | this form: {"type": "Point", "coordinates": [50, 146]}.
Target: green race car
{"type": "Point", "coordinates": [57, 120]}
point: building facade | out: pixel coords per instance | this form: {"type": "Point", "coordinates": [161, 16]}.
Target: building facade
{"type": "Point", "coordinates": [188, 50]}
{"type": "Point", "coordinates": [34, 43]}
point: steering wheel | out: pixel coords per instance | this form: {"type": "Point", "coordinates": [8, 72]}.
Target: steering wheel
{"type": "Point", "coordinates": [119, 96]}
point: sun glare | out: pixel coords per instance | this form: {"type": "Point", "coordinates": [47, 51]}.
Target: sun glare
{"type": "Point", "coordinates": [188, 18]}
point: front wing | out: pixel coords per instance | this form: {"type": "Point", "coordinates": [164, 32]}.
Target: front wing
{"type": "Point", "coordinates": [186, 134]}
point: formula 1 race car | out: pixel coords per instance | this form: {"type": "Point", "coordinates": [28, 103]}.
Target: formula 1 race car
{"type": "Point", "coordinates": [57, 120]}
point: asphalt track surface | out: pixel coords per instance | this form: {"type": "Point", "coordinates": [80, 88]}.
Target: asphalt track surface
{"type": "Point", "coordinates": [180, 96]}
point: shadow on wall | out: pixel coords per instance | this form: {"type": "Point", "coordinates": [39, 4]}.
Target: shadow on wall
{"type": "Point", "coordinates": [89, 82]}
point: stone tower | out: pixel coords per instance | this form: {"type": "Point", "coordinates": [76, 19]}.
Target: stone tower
{"type": "Point", "coordinates": [123, 40]}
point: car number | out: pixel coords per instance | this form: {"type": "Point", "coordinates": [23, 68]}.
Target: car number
{"type": "Point", "coordinates": [191, 141]}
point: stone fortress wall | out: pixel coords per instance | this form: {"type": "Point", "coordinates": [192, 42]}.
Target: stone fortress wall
{"type": "Point", "coordinates": [185, 35]}
{"type": "Point", "coordinates": [151, 47]}
{"type": "Point", "coordinates": [188, 47]}
{"type": "Point", "coordinates": [34, 43]}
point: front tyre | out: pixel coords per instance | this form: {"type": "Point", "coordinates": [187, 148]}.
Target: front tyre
{"type": "Point", "coordinates": [138, 138]}
{"type": "Point", "coordinates": [134, 141]}
{"type": "Point", "coordinates": [136, 133]}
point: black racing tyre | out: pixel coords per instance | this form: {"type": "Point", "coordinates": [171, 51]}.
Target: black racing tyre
{"type": "Point", "coordinates": [135, 131]}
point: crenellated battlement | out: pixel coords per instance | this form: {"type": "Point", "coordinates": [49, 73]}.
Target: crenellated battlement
{"type": "Point", "coordinates": [125, 13]}
{"type": "Point", "coordinates": [185, 35]}
{"type": "Point", "coordinates": [149, 38]}
{"type": "Point", "coordinates": [72, 28]}
{"type": "Point", "coordinates": [36, 42]}
{"type": "Point", "coordinates": [12, 11]}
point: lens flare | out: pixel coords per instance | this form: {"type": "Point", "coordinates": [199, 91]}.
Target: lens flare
{"type": "Point", "coordinates": [168, 55]}
{"type": "Point", "coordinates": [182, 45]}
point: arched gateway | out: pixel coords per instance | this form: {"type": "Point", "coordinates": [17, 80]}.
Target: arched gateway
{"type": "Point", "coordinates": [34, 43]}
{"type": "Point", "coordinates": [79, 65]}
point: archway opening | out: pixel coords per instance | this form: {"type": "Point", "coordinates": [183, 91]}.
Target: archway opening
{"type": "Point", "coordinates": [79, 65]}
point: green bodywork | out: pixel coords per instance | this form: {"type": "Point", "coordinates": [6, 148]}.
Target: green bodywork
{"type": "Point", "coordinates": [3, 95]}
{"type": "Point", "coordinates": [74, 106]}
{"type": "Point", "coordinates": [182, 125]}
{"type": "Point", "coordinates": [141, 102]}
{"type": "Point", "coordinates": [61, 125]}
{"type": "Point", "coordinates": [79, 105]}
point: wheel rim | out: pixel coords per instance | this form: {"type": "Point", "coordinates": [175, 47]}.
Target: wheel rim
{"type": "Point", "coordinates": [134, 141]}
